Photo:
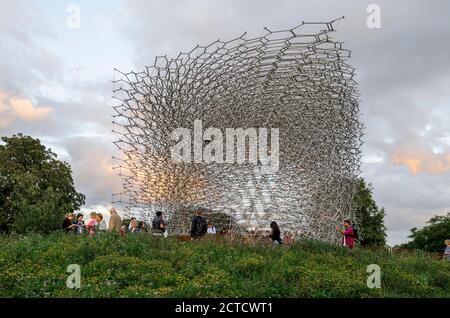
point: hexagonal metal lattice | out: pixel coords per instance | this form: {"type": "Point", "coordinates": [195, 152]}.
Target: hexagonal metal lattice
{"type": "Point", "coordinates": [295, 80]}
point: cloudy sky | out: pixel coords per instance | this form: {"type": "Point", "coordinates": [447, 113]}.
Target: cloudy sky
{"type": "Point", "coordinates": [55, 82]}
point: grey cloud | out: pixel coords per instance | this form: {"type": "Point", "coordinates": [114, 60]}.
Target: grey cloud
{"type": "Point", "coordinates": [26, 62]}
{"type": "Point", "coordinates": [91, 162]}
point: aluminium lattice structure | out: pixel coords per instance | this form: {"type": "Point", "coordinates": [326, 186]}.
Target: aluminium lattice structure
{"type": "Point", "coordinates": [296, 80]}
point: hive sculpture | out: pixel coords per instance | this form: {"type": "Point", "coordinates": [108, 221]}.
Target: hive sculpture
{"type": "Point", "coordinates": [292, 88]}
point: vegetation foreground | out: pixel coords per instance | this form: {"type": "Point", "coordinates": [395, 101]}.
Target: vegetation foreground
{"type": "Point", "coordinates": [147, 266]}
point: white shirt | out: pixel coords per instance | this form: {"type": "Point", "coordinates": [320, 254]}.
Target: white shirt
{"type": "Point", "coordinates": [103, 225]}
{"type": "Point", "coordinates": [211, 230]}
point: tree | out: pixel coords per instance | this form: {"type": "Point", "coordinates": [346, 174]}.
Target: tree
{"type": "Point", "coordinates": [431, 237]}
{"type": "Point", "coordinates": [36, 189]}
{"type": "Point", "coordinates": [370, 218]}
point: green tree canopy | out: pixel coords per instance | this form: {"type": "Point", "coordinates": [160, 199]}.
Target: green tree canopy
{"type": "Point", "coordinates": [370, 217]}
{"type": "Point", "coordinates": [36, 189]}
{"type": "Point", "coordinates": [431, 237]}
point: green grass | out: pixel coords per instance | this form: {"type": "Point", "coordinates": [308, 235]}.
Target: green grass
{"type": "Point", "coordinates": [147, 266]}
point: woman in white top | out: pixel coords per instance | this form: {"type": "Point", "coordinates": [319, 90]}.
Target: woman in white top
{"type": "Point", "coordinates": [101, 222]}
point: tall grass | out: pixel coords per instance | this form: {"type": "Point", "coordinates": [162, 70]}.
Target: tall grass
{"type": "Point", "coordinates": [147, 266]}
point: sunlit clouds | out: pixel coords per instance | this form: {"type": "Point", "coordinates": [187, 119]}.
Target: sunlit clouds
{"type": "Point", "coordinates": [14, 108]}
{"type": "Point", "coordinates": [420, 158]}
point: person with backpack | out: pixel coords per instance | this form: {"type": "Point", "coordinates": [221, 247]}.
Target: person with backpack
{"type": "Point", "coordinates": [348, 239]}
{"type": "Point", "coordinates": [199, 226]}
{"type": "Point", "coordinates": [158, 224]}
{"type": "Point", "coordinates": [356, 235]}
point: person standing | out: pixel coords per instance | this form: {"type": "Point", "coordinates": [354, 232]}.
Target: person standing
{"type": "Point", "coordinates": [347, 232]}
{"type": "Point", "coordinates": [275, 234]}
{"type": "Point", "coordinates": [115, 222]}
{"type": "Point", "coordinates": [158, 224]}
{"type": "Point", "coordinates": [199, 226]}
{"type": "Point", "coordinates": [101, 223]}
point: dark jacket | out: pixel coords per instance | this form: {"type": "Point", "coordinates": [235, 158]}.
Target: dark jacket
{"type": "Point", "coordinates": [65, 225]}
{"type": "Point", "coordinates": [156, 224]}
{"type": "Point", "coordinates": [276, 235]}
{"type": "Point", "coordinates": [199, 226]}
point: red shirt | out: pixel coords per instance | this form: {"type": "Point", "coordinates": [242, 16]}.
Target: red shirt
{"type": "Point", "coordinates": [347, 240]}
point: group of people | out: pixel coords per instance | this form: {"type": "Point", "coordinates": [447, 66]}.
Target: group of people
{"type": "Point", "coordinates": [76, 224]}
{"type": "Point", "coordinates": [199, 228]}
{"type": "Point", "coordinates": [95, 224]}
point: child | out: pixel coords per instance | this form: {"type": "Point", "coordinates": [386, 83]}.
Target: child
{"type": "Point", "coordinates": [211, 228]}
{"type": "Point", "coordinates": [80, 223]}
{"type": "Point", "coordinates": [91, 224]}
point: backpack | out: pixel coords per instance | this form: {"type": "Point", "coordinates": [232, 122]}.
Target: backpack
{"type": "Point", "coordinates": [355, 233]}
{"type": "Point", "coordinates": [201, 226]}
{"type": "Point", "coordinates": [156, 224]}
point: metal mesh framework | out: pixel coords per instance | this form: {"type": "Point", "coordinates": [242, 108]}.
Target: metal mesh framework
{"type": "Point", "coordinates": [296, 80]}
